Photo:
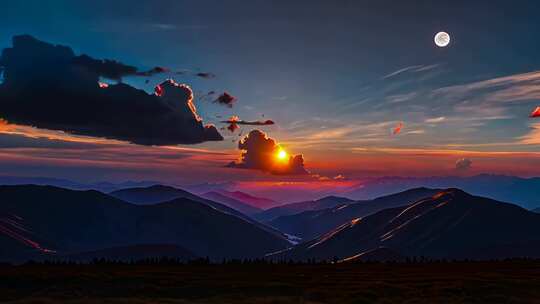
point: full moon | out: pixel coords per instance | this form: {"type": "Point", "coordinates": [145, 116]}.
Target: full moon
{"type": "Point", "coordinates": [442, 39]}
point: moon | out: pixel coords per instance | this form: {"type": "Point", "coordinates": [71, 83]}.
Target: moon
{"type": "Point", "coordinates": [442, 39]}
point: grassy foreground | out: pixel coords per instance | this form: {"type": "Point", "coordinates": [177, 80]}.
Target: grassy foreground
{"type": "Point", "coordinates": [452, 282]}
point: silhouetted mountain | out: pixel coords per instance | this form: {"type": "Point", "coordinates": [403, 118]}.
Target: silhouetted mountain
{"type": "Point", "coordinates": [231, 202]}
{"type": "Point", "coordinates": [451, 224]}
{"type": "Point", "coordinates": [64, 183]}
{"type": "Point", "coordinates": [257, 202]}
{"type": "Point", "coordinates": [537, 210]}
{"type": "Point", "coordinates": [294, 208]}
{"type": "Point", "coordinates": [133, 253]}
{"type": "Point", "coordinates": [153, 194]}
{"type": "Point", "coordinates": [524, 192]}
{"type": "Point", "coordinates": [50, 219]}
{"type": "Point", "coordinates": [159, 194]}
{"type": "Point", "coordinates": [310, 224]}
{"type": "Point", "coordinates": [207, 187]}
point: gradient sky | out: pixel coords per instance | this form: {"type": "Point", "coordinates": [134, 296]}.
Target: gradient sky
{"type": "Point", "coordinates": [335, 76]}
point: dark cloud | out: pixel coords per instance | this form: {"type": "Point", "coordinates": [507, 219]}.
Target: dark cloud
{"type": "Point", "coordinates": [234, 121]}
{"type": "Point", "coordinates": [267, 122]}
{"type": "Point", "coordinates": [226, 99]}
{"type": "Point", "coordinates": [205, 75]}
{"type": "Point", "coordinates": [206, 96]}
{"type": "Point", "coordinates": [112, 69]}
{"type": "Point", "coordinates": [103, 67]}
{"type": "Point", "coordinates": [154, 71]}
{"type": "Point", "coordinates": [463, 164]}
{"type": "Point", "coordinates": [47, 86]}
{"type": "Point", "coordinates": [232, 127]}
{"type": "Point", "coordinates": [260, 152]}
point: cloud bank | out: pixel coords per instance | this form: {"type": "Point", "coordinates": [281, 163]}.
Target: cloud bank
{"type": "Point", "coordinates": [259, 152]}
{"type": "Point", "coordinates": [49, 87]}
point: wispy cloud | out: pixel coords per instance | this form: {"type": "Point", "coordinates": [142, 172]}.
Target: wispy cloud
{"type": "Point", "coordinates": [435, 120]}
{"type": "Point", "coordinates": [512, 88]}
{"type": "Point", "coordinates": [533, 137]}
{"type": "Point", "coordinates": [413, 68]}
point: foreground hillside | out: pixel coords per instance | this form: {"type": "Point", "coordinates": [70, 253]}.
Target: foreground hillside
{"type": "Point", "coordinates": [462, 282]}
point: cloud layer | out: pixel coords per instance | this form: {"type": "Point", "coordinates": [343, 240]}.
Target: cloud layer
{"type": "Point", "coordinates": [48, 87]}
{"type": "Point", "coordinates": [260, 152]}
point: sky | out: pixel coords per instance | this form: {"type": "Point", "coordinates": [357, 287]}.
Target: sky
{"type": "Point", "coordinates": [336, 77]}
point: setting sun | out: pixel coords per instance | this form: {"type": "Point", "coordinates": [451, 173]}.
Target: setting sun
{"type": "Point", "coordinates": [282, 155]}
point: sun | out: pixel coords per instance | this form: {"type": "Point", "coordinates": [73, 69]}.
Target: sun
{"type": "Point", "coordinates": [281, 155]}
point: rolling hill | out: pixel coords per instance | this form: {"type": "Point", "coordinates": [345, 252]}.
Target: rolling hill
{"type": "Point", "coordinates": [153, 194]}
{"type": "Point", "coordinates": [255, 201]}
{"type": "Point", "coordinates": [231, 202]}
{"type": "Point", "coordinates": [159, 194]}
{"type": "Point", "coordinates": [45, 219]}
{"type": "Point", "coordinates": [294, 208]}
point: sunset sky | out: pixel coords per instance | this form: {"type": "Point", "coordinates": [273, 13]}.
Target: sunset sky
{"type": "Point", "coordinates": [335, 79]}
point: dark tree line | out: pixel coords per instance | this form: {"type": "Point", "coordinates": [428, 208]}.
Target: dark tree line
{"type": "Point", "coordinates": [255, 261]}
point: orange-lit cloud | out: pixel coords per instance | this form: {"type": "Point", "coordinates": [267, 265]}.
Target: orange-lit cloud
{"type": "Point", "coordinates": [533, 137]}
{"type": "Point", "coordinates": [535, 113]}
{"type": "Point", "coordinates": [263, 153]}
{"type": "Point", "coordinates": [397, 128]}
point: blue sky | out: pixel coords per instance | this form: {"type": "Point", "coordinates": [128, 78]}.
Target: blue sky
{"type": "Point", "coordinates": [336, 76]}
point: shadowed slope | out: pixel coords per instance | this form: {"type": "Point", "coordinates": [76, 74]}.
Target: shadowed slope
{"type": "Point", "coordinates": [231, 202]}
{"type": "Point", "coordinates": [311, 224]}
{"type": "Point", "coordinates": [451, 224]}
{"type": "Point", "coordinates": [69, 221]}
{"type": "Point", "coordinates": [295, 208]}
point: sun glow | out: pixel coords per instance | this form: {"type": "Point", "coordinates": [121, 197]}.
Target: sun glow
{"type": "Point", "coordinates": [282, 155]}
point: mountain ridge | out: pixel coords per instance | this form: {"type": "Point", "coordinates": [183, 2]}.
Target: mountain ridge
{"type": "Point", "coordinates": [451, 224]}
{"type": "Point", "coordinates": [66, 221]}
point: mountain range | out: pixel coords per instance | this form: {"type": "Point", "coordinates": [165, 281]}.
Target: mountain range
{"type": "Point", "coordinates": [231, 202]}
{"type": "Point", "coordinates": [524, 192]}
{"type": "Point", "coordinates": [46, 220]}
{"type": "Point", "coordinates": [294, 208]}
{"type": "Point", "coordinates": [255, 201]}
{"type": "Point", "coordinates": [451, 224]}
{"type": "Point", "coordinates": [159, 194]}
{"type": "Point", "coordinates": [310, 224]}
